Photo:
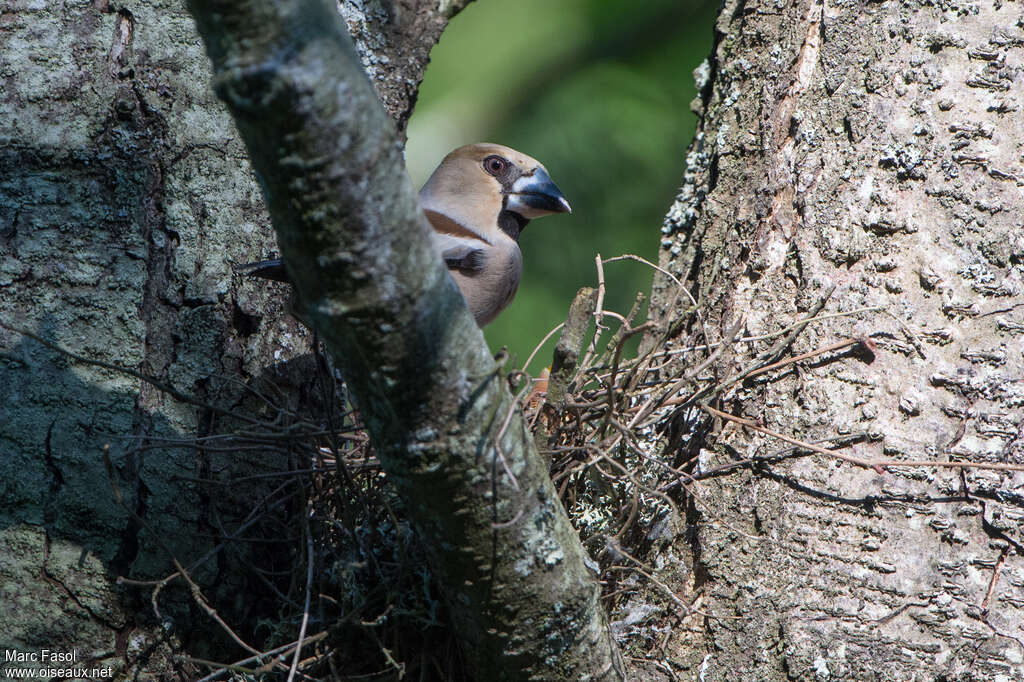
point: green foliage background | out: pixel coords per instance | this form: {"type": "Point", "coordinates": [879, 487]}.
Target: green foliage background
{"type": "Point", "coordinates": [598, 91]}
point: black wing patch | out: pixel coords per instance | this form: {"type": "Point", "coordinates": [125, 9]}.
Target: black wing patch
{"type": "Point", "coordinates": [465, 259]}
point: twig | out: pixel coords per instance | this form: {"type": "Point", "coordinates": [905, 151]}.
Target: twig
{"type": "Point", "coordinates": [839, 345]}
{"type": "Point", "coordinates": [630, 256]}
{"type": "Point", "coordinates": [786, 453]}
{"type": "Point", "coordinates": [773, 353]}
{"type": "Point", "coordinates": [626, 332]}
{"type": "Point", "coordinates": [309, 593]}
{"type": "Point", "coordinates": [909, 333]}
{"type": "Point", "coordinates": [878, 465]}
{"type": "Point", "coordinates": [540, 345]}
{"type": "Point", "coordinates": [656, 401]}
{"type": "Point", "coordinates": [995, 577]}
{"type": "Point", "coordinates": [501, 432]}
{"type": "Point", "coordinates": [598, 315]}
{"type": "Point", "coordinates": [197, 596]}
{"type": "Point", "coordinates": [773, 335]}
{"type": "Point", "coordinates": [282, 650]}
{"type": "Point", "coordinates": [645, 573]}
{"type": "Point", "coordinates": [565, 360]}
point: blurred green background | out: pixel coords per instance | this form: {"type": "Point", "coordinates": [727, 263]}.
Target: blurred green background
{"type": "Point", "coordinates": [599, 92]}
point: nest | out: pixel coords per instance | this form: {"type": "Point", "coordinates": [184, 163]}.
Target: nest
{"type": "Point", "coordinates": [622, 416]}
{"type": "Point", "coordinates": [620, 423]}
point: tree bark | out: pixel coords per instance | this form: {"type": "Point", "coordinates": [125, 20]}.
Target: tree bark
{"type": "Point", "coordinates": [875, 149]}
{"type": "Point", "coordinates": [125, 198]}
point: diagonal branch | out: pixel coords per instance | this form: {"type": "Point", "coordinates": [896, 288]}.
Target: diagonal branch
{"type": "Point", "coordinates": [357, 249]}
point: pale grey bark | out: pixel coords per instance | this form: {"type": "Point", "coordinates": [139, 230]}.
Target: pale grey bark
{"type": "Point", "coordinates": [877, 148]}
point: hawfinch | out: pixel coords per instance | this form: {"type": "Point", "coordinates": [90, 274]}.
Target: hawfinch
{"type": "Point", "coordinates": [478, 201]}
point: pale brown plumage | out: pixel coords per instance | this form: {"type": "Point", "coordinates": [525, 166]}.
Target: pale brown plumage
{"type": "Point", "coordinates": [478, 201]}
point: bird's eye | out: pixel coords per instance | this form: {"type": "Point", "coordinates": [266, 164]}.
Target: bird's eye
{"type": "Point", "coordinates": [495, 165]}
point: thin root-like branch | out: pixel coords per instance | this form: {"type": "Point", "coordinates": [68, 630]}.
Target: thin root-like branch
{"type": "Point", "coordinates": [879, 465]}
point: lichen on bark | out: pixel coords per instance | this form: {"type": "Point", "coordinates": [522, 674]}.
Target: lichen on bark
{"type": "Point", "coordinates": [125, 199]}
{"type": "Point", "coordinates": [875, 148]}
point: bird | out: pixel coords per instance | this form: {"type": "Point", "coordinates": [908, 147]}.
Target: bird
{"type": "Point", "coordinates": [478, 201]}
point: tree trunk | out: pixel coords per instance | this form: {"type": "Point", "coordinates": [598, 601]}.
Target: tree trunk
{"type": "Point", "coordinates": [125, 198]}
{"type": "Point", "coordinates": [874, 148]}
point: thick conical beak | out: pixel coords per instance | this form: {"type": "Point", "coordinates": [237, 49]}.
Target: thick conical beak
{"type": "Point", "coordinates": [536, 195]}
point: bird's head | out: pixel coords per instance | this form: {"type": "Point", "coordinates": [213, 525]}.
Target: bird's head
{"type": "Point", "coordinates": [480, 182]}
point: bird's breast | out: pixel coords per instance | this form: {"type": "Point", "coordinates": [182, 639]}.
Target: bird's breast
{"type": "Point", "coordinates": [489, 290]}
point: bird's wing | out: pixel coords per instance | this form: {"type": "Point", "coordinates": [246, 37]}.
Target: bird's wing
{"type": "Point", "coordinates": [462, 248]}
{"type": "Point", "coordinates": [465, 255]}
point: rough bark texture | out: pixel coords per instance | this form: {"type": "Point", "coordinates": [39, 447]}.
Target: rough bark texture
{"type": "Point", "coordinates": [436, 405]}
{"type": "Point", "coordinates": [878, 148]}
{"type": "Point", "coordinates": [394, 38]}
{"type": "Point", "coordinates": [125, 197]}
